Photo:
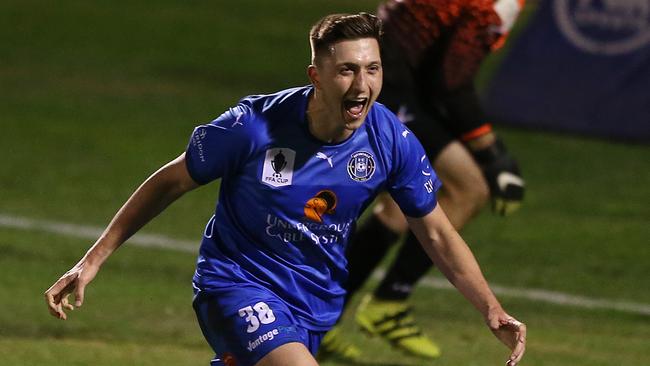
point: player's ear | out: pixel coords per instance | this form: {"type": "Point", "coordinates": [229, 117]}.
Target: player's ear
{"type": "Point", "coordinates": [314, 77]}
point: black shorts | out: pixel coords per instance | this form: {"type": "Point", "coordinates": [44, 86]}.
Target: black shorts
{"type": "Point", "coordinates": [408, 93]}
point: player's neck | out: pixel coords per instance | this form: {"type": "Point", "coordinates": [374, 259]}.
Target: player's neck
{"type": "Point", "coordinates": [322, 124]}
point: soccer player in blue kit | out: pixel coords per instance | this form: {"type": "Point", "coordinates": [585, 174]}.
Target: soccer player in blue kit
{"type": "Point", "coordinates": [297, 167]}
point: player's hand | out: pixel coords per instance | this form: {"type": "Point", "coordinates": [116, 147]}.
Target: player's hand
{"type": "Point", "coordinates": [72, 282]}
{"type": "Point", "coordinates": [503, 176]}
{"type": "Point", "coordinates": [511, 332]}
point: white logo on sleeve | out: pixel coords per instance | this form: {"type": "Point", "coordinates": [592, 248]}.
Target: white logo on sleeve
{"type": "Point", "coordinates": [428, 185]}
{"type": "Point", "coordinates": [426, 172]}
{"type": "Point", "coordinates": [278, 167]}
{"type": "Point", "coordinates": [197, 141]}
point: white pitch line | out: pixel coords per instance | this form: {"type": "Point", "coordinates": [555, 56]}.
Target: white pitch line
{"type": "Point", "coordinates": [551, 297]}
{"type": "Point", "coordinates": [164, 242]}
{"type": "Point", "coordinates": [93, 232]}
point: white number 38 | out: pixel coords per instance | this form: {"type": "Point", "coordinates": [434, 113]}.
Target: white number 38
{"type": "Point", "coordinates": [257, 314]}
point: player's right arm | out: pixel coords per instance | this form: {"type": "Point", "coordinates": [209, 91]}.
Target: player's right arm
{"type": "Point", "coordinates": [452, 256]}
{"type": "Point", "coordinates": [156, 193]}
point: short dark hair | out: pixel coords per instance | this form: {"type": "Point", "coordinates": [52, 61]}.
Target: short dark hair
{"type": "Point", "coordinates": [339, 27]}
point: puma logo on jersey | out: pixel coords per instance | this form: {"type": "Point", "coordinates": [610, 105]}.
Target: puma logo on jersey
{"type": "Point", "coordinates": [237, 122]}
{"type": "Point", "coordinates": [321, 155]}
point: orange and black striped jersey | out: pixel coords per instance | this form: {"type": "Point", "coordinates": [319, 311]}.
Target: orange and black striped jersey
{"type": "Point", "coordinates": [443, 43]}
{"type": "Point", "coordinates": [464, 31]}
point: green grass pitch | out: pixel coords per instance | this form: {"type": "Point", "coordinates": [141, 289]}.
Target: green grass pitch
{"type": "Point", "coordinates": [96, 95]}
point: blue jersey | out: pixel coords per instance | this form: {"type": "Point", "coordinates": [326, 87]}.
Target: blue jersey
{"type": "Point", "coordinates": [288, 202]}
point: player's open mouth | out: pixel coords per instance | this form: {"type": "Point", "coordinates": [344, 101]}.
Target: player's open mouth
{"type": "Point", "coordinates": [355, 107]}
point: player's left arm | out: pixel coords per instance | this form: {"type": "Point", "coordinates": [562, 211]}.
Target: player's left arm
{"type": "Point", "coordinates": [452, 256]}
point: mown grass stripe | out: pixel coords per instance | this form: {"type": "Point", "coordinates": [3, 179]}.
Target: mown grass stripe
{"type": "Point", "coordinates": [164, 242]}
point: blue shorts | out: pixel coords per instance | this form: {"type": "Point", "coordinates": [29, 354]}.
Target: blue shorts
{"type": "Point", "coordinates": [242, 335]}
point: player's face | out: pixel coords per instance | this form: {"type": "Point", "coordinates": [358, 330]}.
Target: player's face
{"type": "Point", "coordinates": [349, 80]}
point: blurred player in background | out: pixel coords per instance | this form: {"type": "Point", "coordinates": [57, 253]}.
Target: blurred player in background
{"type": "Point", "coordinates": [298, 167]}
{"type": "Point", "coordinates": [432, 51]}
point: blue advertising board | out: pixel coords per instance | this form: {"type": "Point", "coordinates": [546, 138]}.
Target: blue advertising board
{"type": "Point", "coordinates": [580, 66]}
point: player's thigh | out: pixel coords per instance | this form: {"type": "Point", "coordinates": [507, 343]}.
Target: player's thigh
{"type": "Point", "coordinates": [289, 354]}
{"type": "Point", "coordinates": [457, 169]}
{"type": "Point", "coordinates": [249, 331]}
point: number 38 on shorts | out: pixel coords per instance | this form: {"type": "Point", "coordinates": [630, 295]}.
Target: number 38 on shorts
{"type": "Point", "coordinates": [257, 314]}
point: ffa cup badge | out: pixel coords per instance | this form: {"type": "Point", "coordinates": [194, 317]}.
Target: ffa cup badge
{"type": "Point", "coordinates": [278, 167]}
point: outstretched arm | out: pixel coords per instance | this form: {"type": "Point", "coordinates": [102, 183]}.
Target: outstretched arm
{"type": "Point", "coordinates": [453, 257]}
{"type": "Point", "coordinates": [151, 198]}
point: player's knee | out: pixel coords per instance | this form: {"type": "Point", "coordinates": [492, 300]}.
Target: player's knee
{"type": "Point", "coordinates": [470, 196]}
{"type": "Point", "coordinates": [480, 194]}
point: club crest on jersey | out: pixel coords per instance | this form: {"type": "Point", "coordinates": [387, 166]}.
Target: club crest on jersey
{"type": "Point", "coordinates": [278, 167]}
{"type": "Point", "coordinates": [361, 166]}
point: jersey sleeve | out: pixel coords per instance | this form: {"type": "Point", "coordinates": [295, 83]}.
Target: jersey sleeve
{"type": "Point", "coordinates": [413, 183]}
{"type": "Point", "coordinates": [220, 147]}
